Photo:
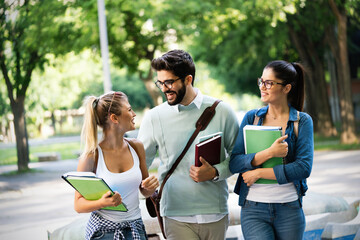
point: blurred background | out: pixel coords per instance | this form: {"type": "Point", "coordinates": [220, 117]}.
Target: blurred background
{"type": "Point", "coordinates": [54, 53]}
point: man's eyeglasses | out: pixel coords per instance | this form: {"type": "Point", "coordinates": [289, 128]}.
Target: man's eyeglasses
{"type": "Point", "coordinates": [167, 83]}
{"type": "Point", "coordinates": [268, 83]}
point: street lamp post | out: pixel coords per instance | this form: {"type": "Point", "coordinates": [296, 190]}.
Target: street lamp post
{"type": "Point", "coordinates": [104, 45]}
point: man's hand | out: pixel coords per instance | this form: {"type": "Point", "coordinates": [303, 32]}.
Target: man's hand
{"type": "Point", "coordinates": [203, 173]}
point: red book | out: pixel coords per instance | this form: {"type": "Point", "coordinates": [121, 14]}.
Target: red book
{"type": "Point", "coordinates": [209, 149]}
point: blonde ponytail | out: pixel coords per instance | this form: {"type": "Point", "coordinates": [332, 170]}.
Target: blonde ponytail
{"type": "Point", "coordinates": [89, 129]}
{"type": "Point", "coordinates": [97, 112]}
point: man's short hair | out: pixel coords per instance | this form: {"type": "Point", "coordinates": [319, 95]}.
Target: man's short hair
{"type": "Point", "coordinates": [179, 62]}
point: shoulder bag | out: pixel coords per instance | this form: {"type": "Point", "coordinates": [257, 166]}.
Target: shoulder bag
{"type": "Point", "coordinates": [153, 202]}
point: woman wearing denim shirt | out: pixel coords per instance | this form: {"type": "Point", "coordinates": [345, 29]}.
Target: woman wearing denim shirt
{"type": "Point", "coordinates": [274, 211]}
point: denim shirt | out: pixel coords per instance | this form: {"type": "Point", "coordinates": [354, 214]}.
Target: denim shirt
{"type": "Point", "coordinates": [298, 161]}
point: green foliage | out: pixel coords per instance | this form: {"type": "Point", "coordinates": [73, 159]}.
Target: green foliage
{"type": "Point", "coordinates": [29, 30]}
{"type": "Point", "coordinates": [32, 30]}
{"type": "Point", "coordinates": [214, 88]}
{"type": "Point", "coordinates": [234, 38]}
{"type": "Point", "coordinates": [63, 80]}
{"type": "Point", "coordinates": [67, 80]}
{"type": "Point", "coordinates": [239, 39]}
{"type": "Point", "coordinates": [123, 81]}
{"type": "Point", "coordinates": [133, 87]}
{"type": "Point", "coordinates": [4, 101]}
{"type": "Point", "coordinates": [59, 86]}
{"type": "Point", "coordinates": [132, 34]}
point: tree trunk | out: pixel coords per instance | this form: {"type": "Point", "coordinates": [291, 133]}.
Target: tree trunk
{"type": "Point", "coordinates": [334, 101]}
{"type": "Point", "coordinates": [316, 89]}
{"type": "Point", "coordinates": [153, 91]}
{"type": "Point", "coordinates": [151, 88]}
{"type": "Point", "coordinates": [22, 145]}
{"type": "Point", "coordinates": [53, 121]}
{"type": "Point", "coordinates": [339, 49]}
{"type": "Point", "coordinates": [18, 108]}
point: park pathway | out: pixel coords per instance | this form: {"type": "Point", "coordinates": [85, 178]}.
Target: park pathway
{"type": "Point", "coordinates": [33, 203]}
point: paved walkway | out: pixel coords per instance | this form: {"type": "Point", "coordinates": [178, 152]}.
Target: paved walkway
{"type": "Point", "coordinates": [33, 203]}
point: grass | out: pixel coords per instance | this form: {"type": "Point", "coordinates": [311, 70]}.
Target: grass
{"type": "Point", "coordinates": [16, 172]}
{"type": "Point", "coordinates": [66, 151]}
{"type": "Point", "coordinates": [332, 143]}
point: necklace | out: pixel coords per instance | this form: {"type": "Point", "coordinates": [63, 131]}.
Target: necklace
{"type": "Point", "coordinates": [273, 117]}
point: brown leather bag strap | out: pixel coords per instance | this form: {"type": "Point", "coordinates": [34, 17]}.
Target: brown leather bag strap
{"type": "Point", "coordinates": [296, 124]}
{"type": "Point", "coordinates": [201, 124]}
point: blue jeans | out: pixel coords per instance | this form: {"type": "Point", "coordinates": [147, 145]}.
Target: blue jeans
{"type": "Point", "coordinates": [268, 221]}
{"type": "Point", "coordinates": [126, 232]}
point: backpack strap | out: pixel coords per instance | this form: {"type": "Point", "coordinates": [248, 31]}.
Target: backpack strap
{"type": "Point", "coordinates": [296, 124]}
{"type": "Point", "coordinates": [256, 120]}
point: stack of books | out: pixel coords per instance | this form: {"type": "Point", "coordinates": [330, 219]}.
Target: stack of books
{"type": "Point", "coordinates": [258, 138]}
{"type": "Point", "coordinates": [91, 187]}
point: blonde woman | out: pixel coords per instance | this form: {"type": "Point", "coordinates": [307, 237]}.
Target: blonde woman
{"type": "Point", "coordinates": [120, 162]}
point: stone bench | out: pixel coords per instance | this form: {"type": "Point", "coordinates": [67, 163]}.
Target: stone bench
{"type": "Point", "coordinates": [316, 223]}
{"type": "Point", "coordinates": [316, 203]}
{"type": "Point", "coordinates": [357, 236]}
{"type": "Point", "coordinates": [346, 229]}
{"type": "Point", "coordinates": [48, 156]}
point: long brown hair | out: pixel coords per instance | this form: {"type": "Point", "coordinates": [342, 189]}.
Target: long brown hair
{"type": "Point", "coordinates": [291, 73]}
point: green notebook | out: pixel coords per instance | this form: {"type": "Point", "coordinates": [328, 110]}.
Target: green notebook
{"type": "Point", "coordinates": [258, 138]}
{"type": "Point", "coordinates": [91, 187]}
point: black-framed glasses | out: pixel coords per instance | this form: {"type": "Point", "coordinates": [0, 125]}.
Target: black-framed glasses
{"type": "Point", "coordinates": [268, 83]}
{"type": "Point", "coordinates": [168, 83]}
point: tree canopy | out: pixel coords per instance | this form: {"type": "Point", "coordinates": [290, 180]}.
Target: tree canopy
{"type": "Point", "coordinates": [235, 39]}
{"type": "Point", "coordinates": [29, 31]}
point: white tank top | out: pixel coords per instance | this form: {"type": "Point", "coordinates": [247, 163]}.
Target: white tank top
{"type": "Point", "coordinates": [126, 183]}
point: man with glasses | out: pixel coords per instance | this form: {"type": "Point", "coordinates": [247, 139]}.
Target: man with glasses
{"type": "Point", "coordinates": [194, 199]}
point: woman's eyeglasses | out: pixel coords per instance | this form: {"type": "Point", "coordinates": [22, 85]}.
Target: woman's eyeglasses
{"type": "Point", "coordinates": [167, 83]}
{"type": "Point", "coordinates": [268, 83]}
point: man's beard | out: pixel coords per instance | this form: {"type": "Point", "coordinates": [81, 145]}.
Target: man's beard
{"type": "Point", "coordinates": [179, 95]}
